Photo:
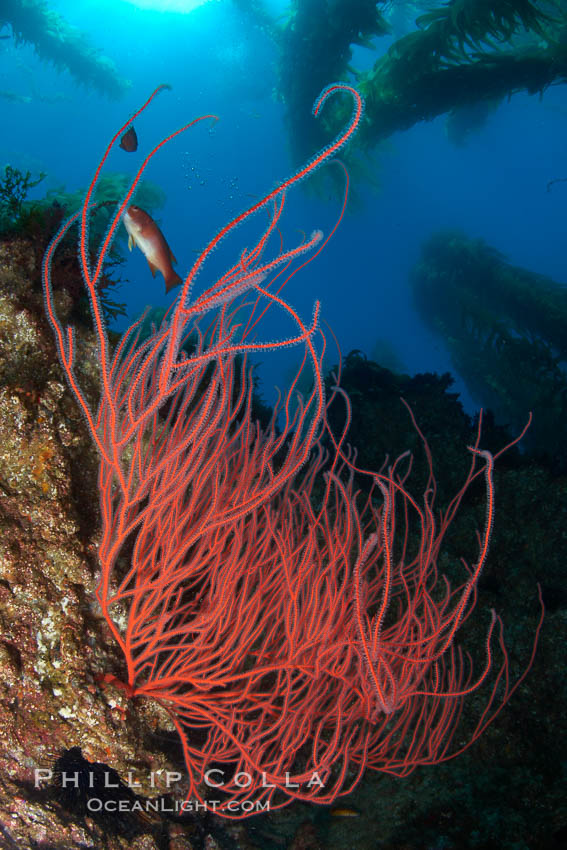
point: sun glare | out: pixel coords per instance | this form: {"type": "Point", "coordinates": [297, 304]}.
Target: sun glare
{"type": "Point", "coordinates": [183, 6]}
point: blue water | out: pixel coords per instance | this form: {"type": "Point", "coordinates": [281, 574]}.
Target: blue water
{"type": "Point", "coordinates": [494, 187]}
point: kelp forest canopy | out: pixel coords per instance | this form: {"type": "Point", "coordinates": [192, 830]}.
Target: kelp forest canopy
{"type": "Point", "coordinates": [491, 316]}
{"type": "Point", "coordinates": [57, 42]}
{"type": "Point", "coordinates": [461, 53]}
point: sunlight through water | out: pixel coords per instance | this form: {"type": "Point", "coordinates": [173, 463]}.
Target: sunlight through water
{"type": "Point", "coordinates": [182, 6]}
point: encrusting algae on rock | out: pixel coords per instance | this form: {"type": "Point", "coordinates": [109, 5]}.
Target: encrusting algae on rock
{"type": "Point", "coordinates": [53, 643]}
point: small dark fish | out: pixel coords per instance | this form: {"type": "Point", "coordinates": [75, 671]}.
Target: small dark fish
{"type": "Point", "coordinates": [129, 141]}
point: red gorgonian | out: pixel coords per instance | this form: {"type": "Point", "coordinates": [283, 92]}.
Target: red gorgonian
{"type": "Point", "coordinates": [291, 628]}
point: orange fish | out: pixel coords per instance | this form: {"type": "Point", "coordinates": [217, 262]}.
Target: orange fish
{"type": "Point", "coordinates": [345, 812]}
{"type": "Point", "coordinates": [129, 141]}
{"type": "Point", "coordinates": [144, 232]}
